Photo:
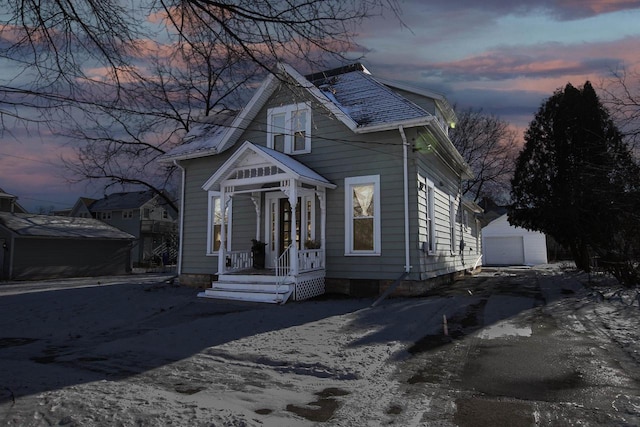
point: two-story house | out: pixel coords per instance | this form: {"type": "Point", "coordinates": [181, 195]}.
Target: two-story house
{"type": "Point", "coordinates": [347, 183]}
{"type": "Point", "coordinates": [143, 214]}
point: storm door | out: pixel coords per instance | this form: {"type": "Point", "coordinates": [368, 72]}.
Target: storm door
{"type": "Point", "coordinates": [279, 224]}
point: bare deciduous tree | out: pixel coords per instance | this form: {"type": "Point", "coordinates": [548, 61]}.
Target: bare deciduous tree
{"type": "Point", "coordinates": [488, 144]}
{"type": "Point", "coordinates": [621, 95]}
{"type": "Point", "coordinates": [128, 78]}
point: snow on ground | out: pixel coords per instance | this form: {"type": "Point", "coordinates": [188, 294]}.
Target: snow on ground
{"type": "Point", "coordinates": [146, 352]}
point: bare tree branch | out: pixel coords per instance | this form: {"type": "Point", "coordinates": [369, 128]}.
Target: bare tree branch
{"type": "Point", "coordinates": [488, 144]}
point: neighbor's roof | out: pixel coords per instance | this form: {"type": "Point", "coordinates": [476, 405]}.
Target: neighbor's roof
{"type": "Point", "coordinates": [119, 201]}
{"type": "Point", "coordinates": [360, 101]}
{"type": "Point", "coordinates": [31, 225]}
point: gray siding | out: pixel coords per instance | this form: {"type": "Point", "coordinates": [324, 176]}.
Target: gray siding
{"type": "Point", "coordinates": [337, 153]}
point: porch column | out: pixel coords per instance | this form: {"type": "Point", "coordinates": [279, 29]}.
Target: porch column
{"type": "Point", "coordinates": [225, 198]}
{"type": "Point", "coordinates": [321, 195]}
{"type": "Point", "coordinates": [255, 198]}
{"type": "Point", "coordinates": [293, 201]}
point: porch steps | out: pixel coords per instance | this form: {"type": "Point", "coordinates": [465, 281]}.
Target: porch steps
{"type": "Point", "coordinates": [246, 288]}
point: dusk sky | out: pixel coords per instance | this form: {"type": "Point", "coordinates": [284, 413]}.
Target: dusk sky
{"type": "Point", "coordinates": [505, 57]}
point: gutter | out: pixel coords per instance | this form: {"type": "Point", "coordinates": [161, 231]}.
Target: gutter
{"type": "Point", "coordinates": [405, 164]}
{"type": "Point", "coordinates": [181, 222]}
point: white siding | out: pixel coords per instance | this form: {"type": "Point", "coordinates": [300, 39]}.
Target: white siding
{"type": "Point", "coordinates": [497, 232]}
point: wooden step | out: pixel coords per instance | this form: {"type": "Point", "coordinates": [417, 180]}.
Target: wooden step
{"type": "Point", "coordinates": [254, 292]}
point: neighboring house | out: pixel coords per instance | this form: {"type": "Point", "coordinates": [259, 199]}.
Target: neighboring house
{"type": "Point", "coordinates": [81, 208]}
{"type": "Point", "coordinates": [43, 247]}
{"type": "Point", "coordinates": [349, 182]}
{"type": "Point", "coordinates": [9, 203]}
{"type": "Point", "coordinates": [143, 214]}
{"type": "Point", "coordinates": [504, 244]}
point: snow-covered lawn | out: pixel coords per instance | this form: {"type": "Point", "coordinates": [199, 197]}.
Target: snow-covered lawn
{"type": "Point", "coordinates": [148, 352]}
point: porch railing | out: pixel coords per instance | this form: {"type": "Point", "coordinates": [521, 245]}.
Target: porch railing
{"type": "Point", "coordinates": [238, 260]}
{"type": "Point", "coordinates": [310, 259]}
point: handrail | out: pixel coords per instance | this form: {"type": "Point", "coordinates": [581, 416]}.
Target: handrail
{"type": "Point", "coordinates": [283, 263]}
{"type": "Point", "coordinates": [283, 268]}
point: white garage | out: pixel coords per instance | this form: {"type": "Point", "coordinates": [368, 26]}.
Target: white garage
{"type": "Point", "coordinates": [503, 244]}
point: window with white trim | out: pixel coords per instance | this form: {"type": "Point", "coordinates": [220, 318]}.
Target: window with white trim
{"type": "Point", "coordinates": [452, 223]}
{"type": "Point", "coordinates": [289, 128]}
{"type": "Point", "coordinates": [127, 214]}
{"type": "Point", "coordinates": [105, 215]}
{"type": "Point", "coordinates": [431, 225]}
{"type": "Point", "coordinates": [215, 223]}
{"type": "Point", "coordinates": [362, 215]}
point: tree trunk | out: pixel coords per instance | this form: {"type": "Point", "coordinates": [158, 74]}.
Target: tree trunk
{"type": "Point", "coordinates": [580, 254]}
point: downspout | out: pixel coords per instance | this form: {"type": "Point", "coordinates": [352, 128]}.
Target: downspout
{"type": "Point", "coordinates": [405, 164]}
{"type": "Point", "coordinates": [181, 216]}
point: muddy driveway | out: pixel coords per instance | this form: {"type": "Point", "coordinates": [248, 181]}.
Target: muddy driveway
{"type": "Point", "coordinates": [532, 347]}
{"type": "Point", "coordinates": [522, 347]}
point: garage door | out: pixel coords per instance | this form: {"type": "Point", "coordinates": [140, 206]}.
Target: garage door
{"type": "Point", "coordinates": [503, 250]}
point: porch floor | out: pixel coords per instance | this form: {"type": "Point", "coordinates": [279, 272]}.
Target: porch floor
{"type": "Point", "coordinates": [253, 272]}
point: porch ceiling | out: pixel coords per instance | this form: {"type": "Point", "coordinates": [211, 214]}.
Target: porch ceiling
{"type": "Point", "coordinates": [254, 165]}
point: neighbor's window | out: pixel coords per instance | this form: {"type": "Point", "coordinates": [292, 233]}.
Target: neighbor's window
{"type": "Point", "coordinates": [289, 128]}
{"type": "Point", "coordinates": [362, 215]}
{"type": "Point", "coordinates": [216, 221]}
{"type": "Point", "coordinates": [128, 214]}
{"type": "Point", "coordinates": [105, 215]}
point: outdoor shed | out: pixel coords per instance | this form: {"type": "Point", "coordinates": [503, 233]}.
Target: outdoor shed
{"type": "Point", "coordinates": [43, 247]}
{"type": "Point", "coordinates": [504, 244]}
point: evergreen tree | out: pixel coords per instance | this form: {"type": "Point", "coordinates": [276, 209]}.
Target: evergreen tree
{"type": "Point", "coordinates": [575, 179]}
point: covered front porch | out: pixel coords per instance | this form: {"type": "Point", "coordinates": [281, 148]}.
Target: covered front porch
{"type": "Point", "coordinates": [269, 227]}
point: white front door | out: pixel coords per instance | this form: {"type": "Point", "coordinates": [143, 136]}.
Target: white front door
{"type": "Point", "coordinates": [278, 224]}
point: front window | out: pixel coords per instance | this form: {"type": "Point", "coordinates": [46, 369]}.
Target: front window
{"type": "Point", "coordinates": [217, 220]}
{"type": "Point", "coordinates": [431, 228]}
{"type": "Point", "coordinates": [289, 128]}
{"type": "Point", "coordinates": [452, 223]}
{"type": "Point", "coordinates": [362, 215]}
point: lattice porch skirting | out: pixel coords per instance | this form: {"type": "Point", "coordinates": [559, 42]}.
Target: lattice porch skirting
{"type": "Point", "coordinates": [309, 285]}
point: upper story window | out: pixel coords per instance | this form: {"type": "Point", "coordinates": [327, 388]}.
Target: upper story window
{"type": "Point", "coordinates": [289, 128]}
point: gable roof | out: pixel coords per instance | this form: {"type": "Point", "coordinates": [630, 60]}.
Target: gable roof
{"type": "Point", "coordinates": [361, 102]}
{"type": "Point", "coordinates": [369, 103]}
{"type": "Point", "coordinates": [12, 200]}
{"type": "Point", "coordinates": [31, 225]}
{"type": "Point", "coordinates": [120, 201]}
{"type": "Point", "coordinates": [282, 161]}
{"type": "Point", "coordinates": [204, 137]}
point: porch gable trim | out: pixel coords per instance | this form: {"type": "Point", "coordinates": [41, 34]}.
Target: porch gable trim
{"type": "Point", "coordinates": [291, 168]}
